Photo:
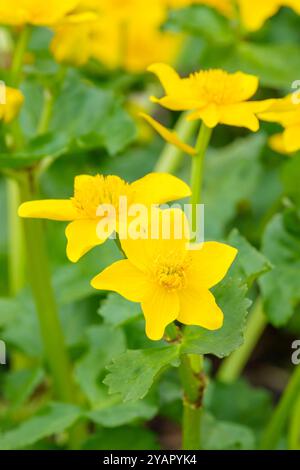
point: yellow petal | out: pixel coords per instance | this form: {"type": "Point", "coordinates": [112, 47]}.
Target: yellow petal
{"type": "Point", "coordinates": [277, 143]}
{"type": "Point", "coordinates": [240, 115]}
{"type": "Point", "coordinates": [168, 233]}
{"type": "Point", "coordinates": [177, 102]}
{"type": "Point", "coordinates": [198, 307]}
{"type": "Point", "coordinates": [254, 13]}
{"type": "Point", "coordinates": [160, 309]}
{"type": "Point", "coordinates": [291, 138]}
{"type": "Point", "coordinates": [210, 264]}
{"type": "Point", "coordinates": [125, 279]}
{"type": "Point", "coordinates": [168, 77]}
{"type": "Point", "coordinates": [82, 237]}
{"type": "Point", "coordinates": [210, 115]}
{"type": "Point", "coordinates": [169, 136]}
{"type": "Point", "coordinates": [53, 209]}
{"type": "Point", "coordinates": [158, 188]}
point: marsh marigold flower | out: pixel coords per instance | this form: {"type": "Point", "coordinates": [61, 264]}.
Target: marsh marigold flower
{"type": "Point", "coordinates": [254, 13]}
{"type": "Point", "coordinates": [124, 35]}
{"type": "Point", "coordinates": [170, 281]}
{"type": "Point", "coordinates": [36, 12]}
{"type": "Point", "coordinates": [213, 96]}
{"type": "Point", "coordinates": [93, 192]}
{"type": "Point", "coordinates": [287, 113]}
{"type": "Point", "coordinates": [10, 103]}
{"type": "Point", "coordinates": [223, 6]}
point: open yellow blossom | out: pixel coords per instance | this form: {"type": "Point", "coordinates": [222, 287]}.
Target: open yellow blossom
{"type": "Point", "coordinates": [36, 12]}
{"type": "Point", "coordinates": [92, 195]}
{"type": "Point", "coordinates": [287, 113]}
{"type": "Point", "coordinates": [214, 96]}
{"type": "Point", "coordinates": [11, 101]}
{"type": "Point", "coordinates": [170, 281]}
{"type": "Point", "coordinates": [121, 36]}
{"type": "Point", "coordinates": [254, 13]}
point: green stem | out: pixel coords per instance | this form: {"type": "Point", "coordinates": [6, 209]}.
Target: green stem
{"type": "Point", "coordinates": [197, 164]}
{"type": "Point", "coordinates": [46, 112]}
{"type": "Point", "coordinates": [50, 326]}
{"type": "Point", "coordinates": [232, 367]}
{"type": "Point", "coordinates": [294, 427]}
{"type": "Point", "coordinates": [15, 226]}
{"type": "Point", "coordinates": [17, 63]}
{"type": "Point", "coordinates": [280, 416]}
{"type": "Point", "coordinates": [171, 156]}
{"type": "Point", "coordinates": [16, 255]}
{"type": "Point", "coordinates": [192, 379]}
{"type": "Point", "coordinates": [193, 383]}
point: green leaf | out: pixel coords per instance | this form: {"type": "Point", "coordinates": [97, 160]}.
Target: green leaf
{"type": "Point", "coordinates": [115, 310]}
{"type": "Point", "coordinates": [48, 145]}
{"type": "Point", "coordinates": [239, 403]}
{"type": "Point", "coordinates": [125, 438]}
{"type": "Point", "coordinates": [204, 22]}
{"type": "Point", "coordinates": [92, 117]}
{"type": "Point", "coordinates": [281, 286]}
{"type": "Point", "coordinates": [133, 373]}
{"type": "Point", "coordinates": [119, 414]}
{"type": "Point", "coordinates": [290, 178]}
{"type": "Point", "coordinates": [222, 435]}
{"type": "Point", "coordinates": [235, 170]}
{"type": "Point", "coordinates": [54, 419]}
{"type": "Point", "coordinates": [230, 296]}
{"type": "Point", "coordinates": [104, 344]}
{"type": "Point", "coordinates": [267, 61]}
{"type": "Point", "coordinates": [19, 385]}
{"type": "Point", "coordinates": [250, 263]}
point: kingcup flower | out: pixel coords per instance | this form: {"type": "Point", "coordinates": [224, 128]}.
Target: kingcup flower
{"type": "Point", "coordinates": [35, 12]}
{"type": "Point", "coordinates": [124, 34]}
{"type": "Point", "coordinates": [213, 96]}
{"type": "Point", "coordinates": [254, 13]}
{"type": "Point", "coordinates": [11, 101]}
{"type": "Point", "coordinates": [93, 195]}
{"type": "Point", "coordinates": [170, 280]}
{"type": "Point", "coordinates": [286, 113]}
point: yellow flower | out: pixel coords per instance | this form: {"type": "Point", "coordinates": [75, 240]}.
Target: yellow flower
{"type": "Point", "coordinates": [94, 192]}
{"type": "Point", "coordinates": [11, 101]}
{"type": "Point", "coordinates": [130, 44]}
{"type": "Point", "coordinates": [254, 13]}
{"type": "Point", "coordinates": [214, 96]}
{"type": "Point", "coordinates": [286, 113]}
{"type": "Point", "coordinates": [36, 12]}
{"type": "Point", "coordinates": [170, 281]}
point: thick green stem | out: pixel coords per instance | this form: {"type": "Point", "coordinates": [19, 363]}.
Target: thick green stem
{"type": "Point", "coordinates": [50, 326]}
{"type": "Point", "coordinates": [197, 164]}
{"type": "Point", "coordinates": [281, 414]}
{"type": "Point", "coordinates": [15, 226]}
{"type": "Point", "coordinates": [171, 156]}
{"type": "Point", "coordinates": [193, 383]}
{"type": "Point", "coordinates": [294, 427]}
{"type": "Point", "coordinates": [192, 379]}
{"type": "Point", "coordinates": [232, 367]}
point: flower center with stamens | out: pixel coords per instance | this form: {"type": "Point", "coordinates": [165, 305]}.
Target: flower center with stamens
{"type": "Point", "coordinates": [214, 86]}
{"type": "Point", "coordinates": [170, 272]}
{"type": "Point", "coordinates": [93, 191]}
